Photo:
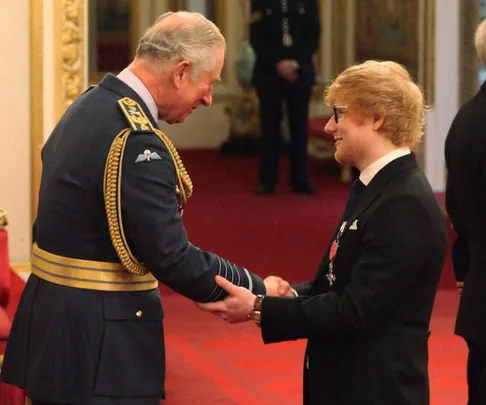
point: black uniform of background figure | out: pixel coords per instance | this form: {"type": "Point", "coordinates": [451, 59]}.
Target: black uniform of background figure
{"type": "Point", "coordinates": [284, 30]}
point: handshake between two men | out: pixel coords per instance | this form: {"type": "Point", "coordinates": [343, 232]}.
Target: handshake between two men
{"type": "Point", "coordinates": [240, 302]}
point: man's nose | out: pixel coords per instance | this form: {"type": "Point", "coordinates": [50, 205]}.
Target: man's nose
{"type": "Point", "coordinates": [330, 126]}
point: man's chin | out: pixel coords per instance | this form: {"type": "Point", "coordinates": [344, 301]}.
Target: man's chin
{"type": "Point", "coordinates": [175, 121]}
{"type": "Point", "coordinates": [341, 158]}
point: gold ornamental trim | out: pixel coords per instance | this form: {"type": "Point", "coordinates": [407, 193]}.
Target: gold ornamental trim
{"type": "Point", "coordinates": [70, 52]}
{"type": "Point", "coordinates": [113, 201]}
{"type": "Point", "coordinates": [87, 274]}
{"type": "Point", "coordinates": [36, 99]}
{"type": "Point", "coordinates": [137, 118]}
{"type": "Point", "coordinates": [112, 183]}
{"type": "Point", "coordinates": [3, 219]}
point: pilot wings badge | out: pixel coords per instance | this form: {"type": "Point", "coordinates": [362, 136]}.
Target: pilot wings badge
{"type": "Point", "coordinates": [148, 156]}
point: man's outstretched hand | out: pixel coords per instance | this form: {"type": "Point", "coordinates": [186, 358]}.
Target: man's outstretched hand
{"type": "Point", "coordinates": [236, 307]}
{"type": "Point", "coordinates": [278, 287]}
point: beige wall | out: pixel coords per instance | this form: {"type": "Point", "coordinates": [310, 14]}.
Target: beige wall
{"type": "Point", "coordinates": [204, 128]}
{"type": "Point", "coordinates": [446, 104]}
{"type": "Point", "coordinates": [14, 125]}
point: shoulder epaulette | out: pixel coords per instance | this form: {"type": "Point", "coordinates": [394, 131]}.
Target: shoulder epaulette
{"type": "Point", "coordinates": [135, 115]}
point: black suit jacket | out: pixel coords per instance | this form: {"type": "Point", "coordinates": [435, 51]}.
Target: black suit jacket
{"type": "Point", "coordinates": [465, 153]}
{"type": "Point", "coordinates": [266, 32]}
{"type": "Point", "coordinates": [67, 344]}
{"type": "Point", "coordinates": [368, 332]}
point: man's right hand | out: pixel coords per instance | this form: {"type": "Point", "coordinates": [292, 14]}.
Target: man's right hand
{"type": "Point", "coordinates": [278, 287]}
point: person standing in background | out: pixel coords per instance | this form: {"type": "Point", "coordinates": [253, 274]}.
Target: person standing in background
{"type": "Point", "coordinates": [465, 150]}
{"type": "Point", "coordinates": [284, 35]}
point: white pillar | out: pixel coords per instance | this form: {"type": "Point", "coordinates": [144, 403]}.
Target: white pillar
{"type": "Point", "coordinates": [446, 90]}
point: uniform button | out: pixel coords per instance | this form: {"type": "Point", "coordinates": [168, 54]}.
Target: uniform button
{"type": "Point", "coordinates": [139, 314]}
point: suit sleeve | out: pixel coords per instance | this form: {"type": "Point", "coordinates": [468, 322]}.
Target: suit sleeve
{"type": "Point", "coordinates": [393, 250]}
{"type": "Point", "coordinates": [155, 231]}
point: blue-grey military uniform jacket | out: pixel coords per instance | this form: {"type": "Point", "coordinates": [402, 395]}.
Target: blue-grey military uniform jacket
{"type": "Point", "coordinates": [68, 344]}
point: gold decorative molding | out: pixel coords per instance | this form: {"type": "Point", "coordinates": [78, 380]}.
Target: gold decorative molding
{"type": "Point", "coordinates": [36, 99]}
{"type": "Point", "coordinates": [243, 113]}
{"type": "Point", "coordinates": [340, 35]}
{"type": "Point", "coordinates": [3, 219]}
{"type": "Point", "coordinates": [21, 267]}
{"type": "Point", "coordinates": [402, 31]}
{"type": "Point", "coordinates": [69, 52]}
{"type": "Point", "coordinates": [426, 58]}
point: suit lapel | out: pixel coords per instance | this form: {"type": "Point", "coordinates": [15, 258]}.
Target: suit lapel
{"type": "Point", "coordinates": [370, 193]}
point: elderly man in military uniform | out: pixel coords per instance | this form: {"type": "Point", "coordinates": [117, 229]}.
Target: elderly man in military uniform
{"type": "Point", "coordinates": [88, 329]}
{"type": "Point", "coordinates": [284, 35]}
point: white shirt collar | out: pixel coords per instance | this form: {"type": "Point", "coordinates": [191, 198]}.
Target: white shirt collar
{"type": "Point", "coordinates": [129, 78]}
{"type": "Point", "coordinates": [367, 174]}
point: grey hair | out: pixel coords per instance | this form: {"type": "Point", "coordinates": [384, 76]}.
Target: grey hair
{"type": "Point", "coordinates": [193, 39]}
{"type": "Point", "coordinates": [480, 41]}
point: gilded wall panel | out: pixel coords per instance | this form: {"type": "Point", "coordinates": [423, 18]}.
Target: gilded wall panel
{"type": "Point", "coordinates": [402, 31]}
{"type": "Point", "coordinates": [69, 52]}
{"type": "Point", "coordinates": [36, 99]}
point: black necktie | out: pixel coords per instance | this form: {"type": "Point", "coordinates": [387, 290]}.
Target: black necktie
{"type": "Point", "coordinates": [356, 188]}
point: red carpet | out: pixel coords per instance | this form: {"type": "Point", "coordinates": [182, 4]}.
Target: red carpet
{"type": "Point", "coordinates": [203, 366]}
{"type": "Point", "coordinates": [283, 234]}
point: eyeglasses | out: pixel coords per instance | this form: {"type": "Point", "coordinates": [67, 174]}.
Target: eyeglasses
{"type": "Point", "coordinates": [338, 113]}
